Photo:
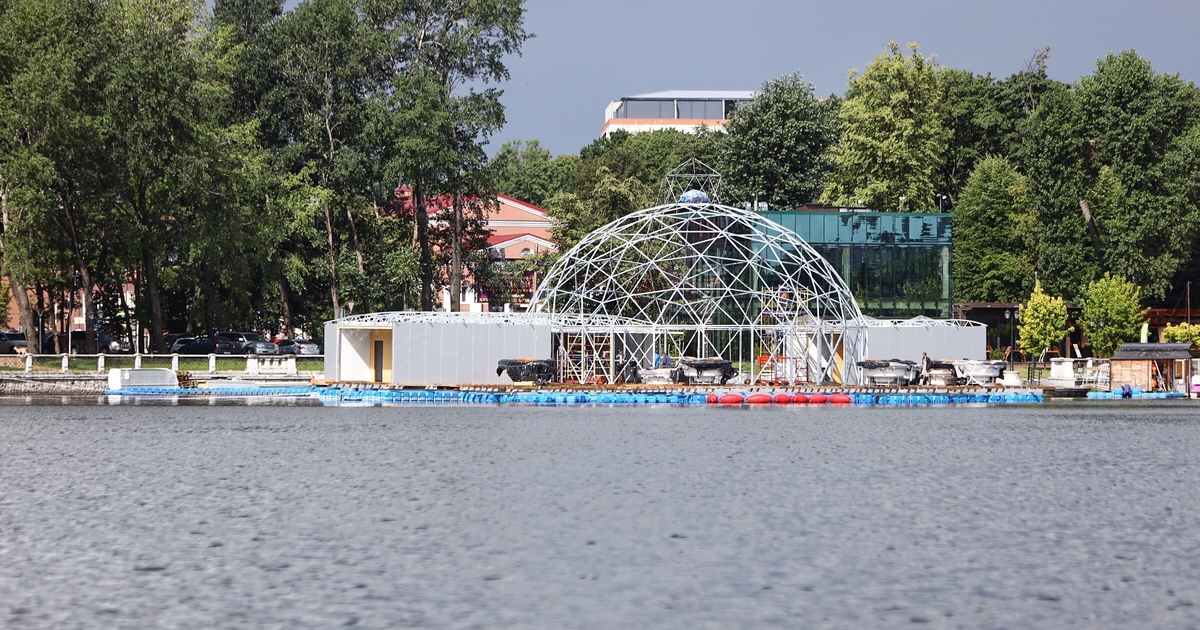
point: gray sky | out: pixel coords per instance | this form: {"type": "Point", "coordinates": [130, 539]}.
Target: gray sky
{"type": "Point", "coordinates": [586, 53]}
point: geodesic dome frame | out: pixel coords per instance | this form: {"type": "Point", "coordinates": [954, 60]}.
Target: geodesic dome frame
{"type": "Point", "coordinates": [704, 280]}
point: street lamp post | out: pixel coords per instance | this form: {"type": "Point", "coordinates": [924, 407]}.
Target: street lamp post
{"type": "Point", "coordinates": [1008, 320]}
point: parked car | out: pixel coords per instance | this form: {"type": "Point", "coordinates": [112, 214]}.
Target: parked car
{"type": "Point", "coordinates": [76, 343]}
{"type": "Point", "coordinates": [205, 345]}
{"type": "Point", "coordinates": [297, 346]}
{"type": "Point", "coordinates": [179, 343]}
{"type": "Point", "coordinates": [251, 343]}
{"type": "Point", "coordinates": [105, 343]}
{"type": "Point", "coordinates": [10, 341]}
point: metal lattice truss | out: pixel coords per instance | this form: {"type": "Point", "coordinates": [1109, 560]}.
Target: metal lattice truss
{"type": "Point", "coordinates": [921, 321]}
{"type": "Point", "coordinates": [705, 280]}
{"type": "Point", "coordinates": [386, 318]}
{"type": "Point", "coordinates": [691, 175]}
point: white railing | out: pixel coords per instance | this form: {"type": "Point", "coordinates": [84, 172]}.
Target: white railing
{"type": "Point", "coordinates": [256, 364]}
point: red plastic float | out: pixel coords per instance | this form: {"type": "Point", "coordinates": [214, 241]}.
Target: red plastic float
{"type": "Point", "coordinates": [783, 399]}
{"type": "Point", "coordinates": [818, 398]}
{"type": "Point", "coordinates": [799, 398]}
{"type": "Point", "coordinates": [840, 399]}
{"type": "Point", "coordinates": [732, 398]}
{"type": "Point", "coordinates": [759, 398]}
{"type": "Point", "coordinates": [711, 398]}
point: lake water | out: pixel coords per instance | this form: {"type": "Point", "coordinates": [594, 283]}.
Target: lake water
{"type": "Point", "coordinates": [1080, 515]}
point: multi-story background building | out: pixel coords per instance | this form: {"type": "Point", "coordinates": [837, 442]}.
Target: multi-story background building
{"type": "Point", "coordinates": [684, 110]}
{"type": "Point", "coordinates": [897, 264]}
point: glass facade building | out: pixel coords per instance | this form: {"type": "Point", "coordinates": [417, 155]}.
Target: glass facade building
{"type": "Point", "coordinates": [896, 263]}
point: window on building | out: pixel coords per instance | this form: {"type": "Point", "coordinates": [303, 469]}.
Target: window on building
{"type": "Point", "coordinates": [650, 109]}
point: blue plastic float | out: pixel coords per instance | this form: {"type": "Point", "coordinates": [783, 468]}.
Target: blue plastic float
{"type": "Point", "coordinates": [567, 398]}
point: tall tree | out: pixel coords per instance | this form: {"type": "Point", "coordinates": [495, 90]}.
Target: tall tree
{"type": "Point", "coordinates": [441, 47]}
{"type": "Point", "coordinates": [776, 148]}
{"type": "Point", "coordinates": [1132, 117]}
{"type": "Point", "coordinates": [994, 234]}
{"type": "Point", "coordinates": [325, 57]}
{"type": "Point", "coordinates": [153, 100]}
{"type": "Point", "coordinates": [893, 140]}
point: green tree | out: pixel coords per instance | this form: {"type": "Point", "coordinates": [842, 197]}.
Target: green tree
{"type": "Point", "coordinates": [645, 157]}
{"type": "Point", "coordinates": [776, 146]}
{"type": "Point", "coordinates": [970, 114]}
{"type": "Point", "coordinates": [893, 140]}
{"type": "Point", "coordinates": [1052, 155]}
{"type": "Point", "coordinates": [1111, 314]}
{"type": "Point", "coordinates": [445, 48]}
{"type": "Point", "coordinates": [1132, 119]}
{"type": "Point", "coordinates": [994, 235]}
{"type": "Point", "coordinates": [576, 215]}
{"type": "Point", "coordinates": [528, 172]}
{"type": "Point", "coordinates": [1043, 322]}
{"type": "Point", "coordinates": [55, 163]}
{"type": "Point", "coordinates": [1182, 333]}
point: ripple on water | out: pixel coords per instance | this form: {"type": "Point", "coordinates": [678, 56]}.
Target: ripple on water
{"type": "Point", "coordinates": [228, 515]}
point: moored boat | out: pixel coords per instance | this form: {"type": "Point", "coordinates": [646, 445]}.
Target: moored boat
{"type": "Point", "coordinates": [976, 372]}
{"type": "Point", "coordinates": [890, 371]}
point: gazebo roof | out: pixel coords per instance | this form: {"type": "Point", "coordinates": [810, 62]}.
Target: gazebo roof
{"type": "Point", "coordinates": [1155, 351]}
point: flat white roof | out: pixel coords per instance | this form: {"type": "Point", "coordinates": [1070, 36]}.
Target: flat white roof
{"type": "Point", "coordinates": [697, 94]}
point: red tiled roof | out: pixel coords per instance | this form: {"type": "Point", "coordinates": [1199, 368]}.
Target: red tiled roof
{"type": "Point", "coordinates": [437, 203]}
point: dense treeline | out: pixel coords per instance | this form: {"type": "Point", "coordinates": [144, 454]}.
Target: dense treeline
{"type": "Point", "coordinates": [239, 168]}
{"type": "Point", "coordinates": [1022, 163]}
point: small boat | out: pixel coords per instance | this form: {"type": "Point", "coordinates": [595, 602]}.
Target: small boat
{"type": "Point", "coordinates": [941, 374]}
{"type": "Point", "coordinates": [657, 376]}
{"type": "Point", "coordinates": [540, 371]}
{"type": "Point", "coordinates": [713, 370]}
{"type": "Point", "coordinates": [976, 372]}
{"type": "Point", "coordinates": [890, 371]}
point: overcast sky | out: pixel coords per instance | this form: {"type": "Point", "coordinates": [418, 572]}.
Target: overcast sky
{"type": "Point", "coordinates": [587, 53]}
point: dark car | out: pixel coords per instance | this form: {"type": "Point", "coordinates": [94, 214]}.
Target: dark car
{"type": "Point", "coordinates": [205, 345]}
{"type": "Point", "coordinates": [251, 343]}
{"type": "Point", "coordinates": [11, 341]}
{"type": "Point", "coordinates": [297, 346]}
{"type": "Point", "coordinates": [105, 343]}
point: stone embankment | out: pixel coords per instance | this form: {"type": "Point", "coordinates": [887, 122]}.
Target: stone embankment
{"type": "Point", "coordinates": [21, 384]}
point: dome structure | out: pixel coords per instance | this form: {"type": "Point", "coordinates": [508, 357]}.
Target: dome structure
{"type": "Point", "coordinates": [711, 280]}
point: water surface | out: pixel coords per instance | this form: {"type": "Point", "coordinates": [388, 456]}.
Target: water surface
{"type": "Point", "coordinates": [152, 515]}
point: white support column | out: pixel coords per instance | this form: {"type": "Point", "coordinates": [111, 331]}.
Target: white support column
{"type": "Point", "coordinates": [137, 361]}
{"type": "Point", "coordinates": [66, 365]}
{"type": "Point", "coordinates": [29, 363]}
{"type": "Point", "coordinates": [175, 362]}
{"type": "Point", "coordinates": [100, 362]}
{"type": "Point", "coordinates": [212, 363]}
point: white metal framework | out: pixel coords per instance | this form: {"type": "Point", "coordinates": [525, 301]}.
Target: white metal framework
{"type": "Point", "coordinates": [701, 280]}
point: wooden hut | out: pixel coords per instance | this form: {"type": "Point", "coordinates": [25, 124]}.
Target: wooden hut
{"type": "Point", "coordinates": [1163, 367]}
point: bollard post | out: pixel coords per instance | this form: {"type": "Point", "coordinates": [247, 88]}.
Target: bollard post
{"type": "Point", "coordinates": [137, 361]}
{"type": "Point", "coordinates": [29, 363]}
{"type": "Point", "coordinates": [212, 363]}
{"type": "Point", "coordinates": [174, 362]}
{"type": "Point", "coordinates": [100, 363]}
{"type": "Point", "coordinates": [291, 365]}
{"type": "Point", "coordinates": [66, 364]}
